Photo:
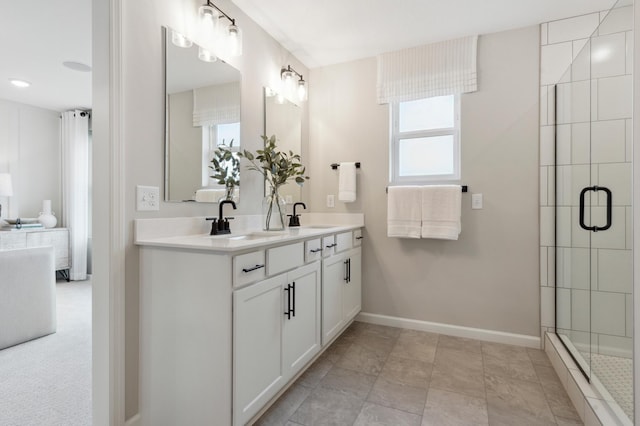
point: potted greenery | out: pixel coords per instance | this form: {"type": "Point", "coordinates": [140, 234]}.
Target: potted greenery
{"type": "Point", "coordinates": [277, 168]}
{"type": "Point", "coordinates": [226, 168]}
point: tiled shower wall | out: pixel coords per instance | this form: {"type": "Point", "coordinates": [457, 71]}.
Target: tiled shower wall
{"type": "Point", "coordinates": [602, 94]}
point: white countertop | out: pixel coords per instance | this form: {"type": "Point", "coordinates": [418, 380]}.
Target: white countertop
{"type": "Point", "coordinates": [164, 233]}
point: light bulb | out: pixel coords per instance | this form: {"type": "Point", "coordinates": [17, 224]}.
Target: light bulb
{"type": "Point", "coordinates": [209, 18]}
{"type": "Point", "coordinates": [180, 40]}
{"type": "Point", "coordinates": [302, 90]}
{"type": "Point", "coordinates": [234, 40]}
{"type": "Point", "coordinates": [206, 56]}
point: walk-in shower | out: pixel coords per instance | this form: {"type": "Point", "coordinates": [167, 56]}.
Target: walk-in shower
{"type": "Point", "coordinates": [593, 199]}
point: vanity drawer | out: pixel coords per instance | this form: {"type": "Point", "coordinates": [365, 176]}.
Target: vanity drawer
{"type": "Point", "coordinates": [280, 259]}
{"type": "Point", "coordinates": [328, 245]}
{"type": "Point", "coordinates": [248, 267]}
{"type": "Point", "coordinates": [13, 240]}
{"type": "Point", "coordinates": [312, 250]}
{"type": "Point", "coordinates": [344, 241]}
{"type": "Point", "coordinates": [357, 238]}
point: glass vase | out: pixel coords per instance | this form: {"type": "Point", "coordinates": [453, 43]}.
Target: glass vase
{"type": "Point", "coordinates": [273, 211]}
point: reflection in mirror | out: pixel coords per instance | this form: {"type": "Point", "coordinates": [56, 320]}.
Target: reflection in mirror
{"type": "Point", "coordinates": [284, 119]}
{"type": "Point", "coordinates": [202, 117]}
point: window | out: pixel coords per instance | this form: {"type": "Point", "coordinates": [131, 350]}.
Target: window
{"type": "Point", "coordinates": [425, 140]}
{"type": "Point", "coordinates": [212, 137]}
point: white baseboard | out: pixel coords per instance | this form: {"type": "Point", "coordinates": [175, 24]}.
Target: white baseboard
{"type": "Point", "coordinates": [452, 330]}
{"type": "Point", "coordinates": [133, 421]}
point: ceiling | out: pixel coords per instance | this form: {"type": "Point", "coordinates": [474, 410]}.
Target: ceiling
{"type": "Point", "coordinates": [327, 32]}
{"type": "Point", "coordinates": [36, 38]}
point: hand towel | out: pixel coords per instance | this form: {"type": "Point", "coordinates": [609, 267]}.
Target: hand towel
{"type": "Point", "coordinates": [441, 210]}
{"type": "Point", "coordinates": [347, 182]}
{"type": "Point", "coordinates": [404, 211]}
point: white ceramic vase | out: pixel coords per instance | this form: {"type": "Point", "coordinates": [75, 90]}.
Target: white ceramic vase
{"type": "Point", "coordinates": [47, 218]}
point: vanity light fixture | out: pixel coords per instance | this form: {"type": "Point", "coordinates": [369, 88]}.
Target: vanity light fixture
{"type": "Point", "coordinates": [19, 83]}
{"type": "Point", "coordinates": [180, 40]}
{"type": "Point", "coordinates": [287, 74]}
{"type": "Point", "coordinates": [205, 56]}
{"type": "Point", "coordinates": [228, 38]}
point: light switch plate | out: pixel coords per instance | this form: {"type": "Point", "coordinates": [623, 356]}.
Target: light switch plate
{"type": "Point", "coordinates": [147, 198]}
{"type": "Point", "coordinates": [476, 201]}
{"type": "Point", "coordinates": [331, 201]}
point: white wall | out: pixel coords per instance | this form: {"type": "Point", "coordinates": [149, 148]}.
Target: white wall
{"type": "Point", "coordinates": [30, 151]}
{"type": "Point", "coordinates": [144, 127]}
{"type": "Point", "coordinates": [489, 277]}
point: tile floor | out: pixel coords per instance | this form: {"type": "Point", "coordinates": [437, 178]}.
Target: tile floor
{"type": "Point", "coordinates": [376, 375]}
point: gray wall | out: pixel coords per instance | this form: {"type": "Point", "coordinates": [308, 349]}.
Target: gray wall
{"type": "Point", "coordinates": [30, 151]}
{"type": "Point", "coordinates": [487, 279]}
{"type": "Point", "coordinates": [143, 132]}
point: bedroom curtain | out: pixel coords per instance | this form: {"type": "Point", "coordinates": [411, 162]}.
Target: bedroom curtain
{"type": "Point", "coordinates": [438, 69]}
{"type": "Point", "coordinates": [74, 131]}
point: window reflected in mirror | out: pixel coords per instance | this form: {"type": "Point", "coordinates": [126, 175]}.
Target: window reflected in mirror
{"type": "Point", "coordinates": [202, 124]}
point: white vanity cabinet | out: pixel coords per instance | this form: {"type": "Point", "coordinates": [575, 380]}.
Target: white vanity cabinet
{"type": "Point", "coordinates": [341, 291]}
{"type": "Point", "coordinates": [276, 328]}
{"type": "Point", "coordinates": [225, 326]}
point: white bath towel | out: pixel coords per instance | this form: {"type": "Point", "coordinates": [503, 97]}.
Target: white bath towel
{"type": "Point", "coordinates": [347, 182]}
{"type": "Point", "coordinates": [404, 211]}
{"type": "Point", "coordinates": [441, 210]}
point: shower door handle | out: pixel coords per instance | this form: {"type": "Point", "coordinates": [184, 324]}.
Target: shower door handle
{"type": "Point", "coordinates": [594, 228]}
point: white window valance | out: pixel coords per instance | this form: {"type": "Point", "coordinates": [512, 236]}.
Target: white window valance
{"type": "Point", "coordinates": [218, 104]}
{"type": "Point", "coordinates": [438, 69]}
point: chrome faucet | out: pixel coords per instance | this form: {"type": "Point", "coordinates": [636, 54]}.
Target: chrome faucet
{"type": "Point", "coordinates": [220, 226]}
{"type": "Point", "coordinates": [295, 218]}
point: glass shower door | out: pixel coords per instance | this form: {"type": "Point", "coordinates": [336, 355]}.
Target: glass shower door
{"type": "Point", "coordinates": [594, 267]}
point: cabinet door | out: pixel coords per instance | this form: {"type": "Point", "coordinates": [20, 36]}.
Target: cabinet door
{"type": "Point", "coordinates": [301, 328]}
{"type": "Point", "coordinates": [257, 346]}
{"type": "Point", "coordinates": [333, 279]}
{"type": "Point", "coordinates": [352, 295]}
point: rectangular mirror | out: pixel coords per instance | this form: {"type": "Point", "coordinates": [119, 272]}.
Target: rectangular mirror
{"type": "Point", "coordinates": [284, 119]}
{"type": "Point", "coordinates": [202, 119]}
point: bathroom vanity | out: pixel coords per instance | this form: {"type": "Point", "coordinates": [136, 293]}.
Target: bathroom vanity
{"type": "Point", "coordinates": [227, 322]}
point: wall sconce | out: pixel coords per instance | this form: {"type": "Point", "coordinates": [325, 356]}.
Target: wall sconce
{"type": "Point", "coordinates": [228, 39]}
{"type": "Point", "coordinates": [287, 75]}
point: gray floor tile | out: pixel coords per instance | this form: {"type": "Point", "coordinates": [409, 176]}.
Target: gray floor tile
{"type": "Point", "coordinates": [538, 357]}
{"type": "Point", "coordinates": [568, 422]}
{"type": "Point", "coordinates": [514, 368]}
{"type": "Point", "coordinates": [506, 352]}
{"type": "Point", "coordinates": [458, 371]}
{"type": "Point", "coordinates": [382, 330]}
{"type": "Point", "coordinates": [328, 407]}
{"type": "Point", "coordinates": [376, 415]}
{"type": "Point", "coordinates": [445, 408]}
{"type": "Point", "coordinates": [559, 402]}
{"type": "Point", "coordinates": [286, 405]}
{"type": "Point", "coordinates": [348, 381]}
{"type": "Point", "coordinates": [336, 350]}
{"type": "Point", "coordinates": [512, 400]}
{"type": "Point", "coordinates": [315, 373]}
{"type": "Point", "coordinates": [398, 396]}
{"type": "Point", "coordinates": [416, 345]}
{"type": "Point", "coordinates": [406, 371]}
{"type": "Point", "coordinates": [362, 359]}
{"type": "Point", "coordinates": [459, 343]}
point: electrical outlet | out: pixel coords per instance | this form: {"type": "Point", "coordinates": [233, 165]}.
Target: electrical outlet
{"type": "Point", "coordinates": [147, 198]}
{"type": "Point", "coordinates": [331, 201]}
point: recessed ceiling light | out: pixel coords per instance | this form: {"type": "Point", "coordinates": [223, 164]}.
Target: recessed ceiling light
{"type": "Point", "coordinates": [19, 83]}
{"type": "Point", "coordinates": [77, 66]}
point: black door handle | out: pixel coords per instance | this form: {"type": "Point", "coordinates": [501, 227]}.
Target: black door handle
{"type": "Point", "coordinates": [293, 311]}
{"type": "Point", "coordinates": [596, 188]}
{"type": "Point", "coordinates": [346, 271]}
{"type": "Point", "coordinates": [290, 290]}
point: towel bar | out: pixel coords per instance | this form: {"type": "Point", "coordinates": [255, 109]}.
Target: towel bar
{"type": "Point", "coordinates": [465, 188]}
{"type": "Point", "coordinates": [335, 166]}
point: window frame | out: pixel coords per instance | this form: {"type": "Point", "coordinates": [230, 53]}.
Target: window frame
{"type": "Point", "coordinates": [396, 136]}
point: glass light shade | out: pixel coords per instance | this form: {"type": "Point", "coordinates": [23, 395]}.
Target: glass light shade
{"type": "Point", "coordinates": [206, 56]}
{"type": "Point", "coordinates": [302, 90]}
{"type": "Point", "coordinates": [180, 40]}
{"type": "Point", "coordinates": [209, 23]}
{"type": "Point", "coordinates": [234, 40]}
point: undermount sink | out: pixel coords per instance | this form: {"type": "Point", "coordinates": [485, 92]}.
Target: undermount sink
{"type": "Point", "coordinates": [319, 226]}
{"type": "Point", "coordinates": [257, 235]}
